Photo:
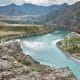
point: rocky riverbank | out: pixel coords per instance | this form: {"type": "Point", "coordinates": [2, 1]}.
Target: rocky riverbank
{"type": "Point", "coordinates": [15, 65]}
{"type": "Point", "coordinates": [71, 45]}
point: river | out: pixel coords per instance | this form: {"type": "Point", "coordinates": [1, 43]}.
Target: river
{"type": "Point", "coordinates": [44, 49]}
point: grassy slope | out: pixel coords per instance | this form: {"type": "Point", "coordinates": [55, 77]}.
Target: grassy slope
{"type": "Point", "coordinates": [11, 31]}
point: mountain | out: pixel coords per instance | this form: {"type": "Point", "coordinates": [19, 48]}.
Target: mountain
{"type": "Point", "coordinates": [27, 9]}
{"type": "Point", "coordinates": [53, 14]}
{"type": "Point", "coordinates": [69, 19]}
{"type": "Point", "coordinates": [27, 13]}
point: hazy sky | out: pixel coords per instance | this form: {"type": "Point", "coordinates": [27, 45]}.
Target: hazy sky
{"type": "Point", "coordinates": [38, 2]}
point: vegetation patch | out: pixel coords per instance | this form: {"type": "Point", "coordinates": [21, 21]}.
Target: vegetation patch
{"type": "Point", "coordinates": [12, 31]}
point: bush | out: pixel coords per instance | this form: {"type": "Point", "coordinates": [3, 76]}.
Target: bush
{"type": "Point", "coordinates": [26, 62]}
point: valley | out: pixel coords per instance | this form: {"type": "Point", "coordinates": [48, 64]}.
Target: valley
{"type": "Point", "coordinates": [40, 42]}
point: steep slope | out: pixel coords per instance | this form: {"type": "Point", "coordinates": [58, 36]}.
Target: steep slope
{"type": "Point", "coordinates": [53, 14]}
{"type": "Point", "coordinates": [69, 19]}
{"type": "Point", "coordinates": [29, 13]}
{"type": "Point", "coordinates": [15, 65]}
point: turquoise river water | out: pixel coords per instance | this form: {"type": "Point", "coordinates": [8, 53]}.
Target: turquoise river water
{"type": "Point", "coordinates": [44, 49]}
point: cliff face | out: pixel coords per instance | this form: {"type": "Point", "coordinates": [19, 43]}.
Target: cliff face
{"type": "Point", "coordinates": [67, 19]}
{"type": "Point", "coordinates": [15, 65]}
{"type": "Point", "coordinates": [70, 18]}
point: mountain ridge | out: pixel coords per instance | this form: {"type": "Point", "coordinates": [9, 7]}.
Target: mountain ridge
{"type": "Point", "coordinates": [29, 9]}
{"type": "Point", "coordinates": [69, 19]}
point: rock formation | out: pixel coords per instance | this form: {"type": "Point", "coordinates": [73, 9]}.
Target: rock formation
{"type": "Point", "coordinates": [15, 65]}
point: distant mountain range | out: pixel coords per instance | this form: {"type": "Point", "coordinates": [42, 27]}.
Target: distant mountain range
{"type": "Point", "coordinates": [28, 9]}
{"type": "Point", "coordinates": [59, 16]}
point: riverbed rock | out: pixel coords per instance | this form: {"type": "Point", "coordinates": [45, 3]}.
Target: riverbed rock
{"type": "Point", "coordinates": [15, 65]}
{"type": "Point", "coordinates": [73, 35]}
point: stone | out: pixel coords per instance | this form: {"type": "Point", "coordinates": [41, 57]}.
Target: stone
{"type": "Point", "coordinates": [11, 67]}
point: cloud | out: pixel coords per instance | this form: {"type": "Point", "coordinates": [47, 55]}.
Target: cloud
{"type": "Point", "coordinates": [5, 2]}
{"type": "Point", "coordinates": [37, 2]}
{"type": "Point", "coordinates": [63, 1]}
{"type": "Point", "coordinates": [18, 2]}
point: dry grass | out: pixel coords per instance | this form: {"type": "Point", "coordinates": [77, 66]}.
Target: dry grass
{"type": "Point", "coordinates": [8, 30]}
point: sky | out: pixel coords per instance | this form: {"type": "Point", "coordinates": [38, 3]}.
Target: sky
{"type": "Point", "coordinates": [37, 2]}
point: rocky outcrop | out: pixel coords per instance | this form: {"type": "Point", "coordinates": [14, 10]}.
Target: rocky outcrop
{"type": "Point", "coordinates": [68, 19]}
{"type": "Point", "coordinates": [15, 65]}
{"type": "Point", "coordinates": [73, 35]}
{"type": "Point", "coordinates": [71, 44]}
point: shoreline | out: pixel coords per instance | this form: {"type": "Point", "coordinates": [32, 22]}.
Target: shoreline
{"type": "Point", "coordinates": [75, 58]}
{"type": "Point", "coordinates": [8, 38]}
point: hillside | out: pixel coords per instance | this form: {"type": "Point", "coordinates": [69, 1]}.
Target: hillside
{"type": "Point", "coordinates": [69, 19]}
{"type": "Point", "coordinates": [13, 31]}
{"type": "Point", "coordinates": [53, 14]}
{"type": "Point", "coordinates": [59, 16]}
{"type": "Point", "coordinates": [15, 65]}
